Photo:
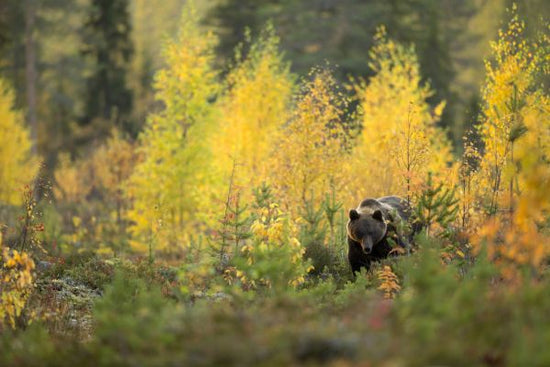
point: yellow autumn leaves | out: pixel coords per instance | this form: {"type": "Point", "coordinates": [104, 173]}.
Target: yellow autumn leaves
{"type": "Point", "coordinates": [389, 282]}
{"type": "Point", "coordinates": [309, 160]}
{"type": "Point", "coordinates": [514, 175]}
{"type": "Point", "coordinates": [170, 187]}
{"type": "Point", "coordinates": [17, 169]}
{"type": "Point", "coordinates": [274, 234]}
{"type": "Point", "coordinates": [17, 166]}
{"type": "Point", "coordinates": [253, 122]}
{"type": "Point", "coordinates": [16, 284]}
{"type": "Point", "coordinates": [259, 89]}
{"type": "Point", "coordinates": [399, 141]}
{"type": "Point", "coordinates": [260, 126]}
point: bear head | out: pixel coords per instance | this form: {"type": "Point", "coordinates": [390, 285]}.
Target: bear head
{"type": "Point", "coordinates": [367, 229]}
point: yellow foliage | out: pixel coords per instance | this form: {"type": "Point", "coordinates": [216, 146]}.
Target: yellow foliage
{"type": "Point", "coordinates": [103, 173]}
{"type": "Point", "coordinates": [309, 159]}
{"type": "Point", "coordinates": [274, 255]}
{"type": "Point", "coordinates": [72, 183]}
{"type": "Point", "coordinates": [516, 134]}
{"type": "Point", "coordinates": [514, 114]}
{"type": "Point", "coordinates": [253, 109]}
{"type": "Point", "coordinates": [399, 142]}
{"type": "Point", "coordinates": [469, 216]}
{"type": "Point", "coordinates": [16, 284]}
{"type": "Point", "coordinates": [111, 164]}
{"type": "Point", "coordinates": [174, 181]}
{"type": "Point", "coordinates": [389, 282]}
{"type": "Point", "coordinates": [17, 167]}
{"type": "Point", "coordinates": [273, 227]}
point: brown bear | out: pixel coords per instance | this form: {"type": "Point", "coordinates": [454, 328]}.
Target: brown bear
{"type": "Point", "coordinates": [373, 226]}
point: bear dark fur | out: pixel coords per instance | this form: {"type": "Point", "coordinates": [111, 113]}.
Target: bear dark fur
{"type": "Point", "coordinates": [370, 227]}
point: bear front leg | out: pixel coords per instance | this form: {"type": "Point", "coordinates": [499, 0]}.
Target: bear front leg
{"type": "Point", "coordinates": [356, 257]}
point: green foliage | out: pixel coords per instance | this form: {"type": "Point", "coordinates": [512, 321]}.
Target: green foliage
{"type": "Point", "coordinates": [94, 273]}
{"type": "Point", "coordinates": [16, 350]}
{"type": "Point", "coordinates": [472, 312]}
{"type": "Point", "coordinates": [128, 317]}
{"type": "Point", "coordinates": [242, 291]}
{"type": "Point", "coordinates": [354, 291]}
{"type": "Point", "coordinates": [312, 236]}
{"type": "Point", "coordinates": [107, 44]}
{"type": "Point", "coordinates": [236, 221]}
{"type": "Point", "coordinates": [323, 235]}
{"type": "Point", "coordinates": [437, 205]}
{"type": "Point", "coordinates": [332, 207]}
{"type": "Point", "coordinates": [272, 259]}
{"type": "Point", "coordinates": [439, 317]}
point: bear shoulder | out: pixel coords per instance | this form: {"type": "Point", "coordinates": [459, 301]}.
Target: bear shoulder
{"type": "Point", "coordinates": [369, 203]}
{"type": "Point", "coordinates": [397, 205]}
{"type": "Point", "coordinates": [368, 206]}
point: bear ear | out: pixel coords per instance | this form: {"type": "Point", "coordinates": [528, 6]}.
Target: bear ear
{"type": "Point", "coordinates": [353, 214]}
{"type": "Point", "coordinates": [378, 215]}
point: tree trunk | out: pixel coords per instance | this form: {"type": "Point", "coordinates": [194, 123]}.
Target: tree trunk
{"type": "Point", "coordinates": [30, 72]}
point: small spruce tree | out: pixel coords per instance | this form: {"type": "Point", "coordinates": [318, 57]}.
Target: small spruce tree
{"type": "Point", "coordinates": [437, 204]}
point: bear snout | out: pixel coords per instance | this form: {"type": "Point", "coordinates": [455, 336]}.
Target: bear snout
{"type": "Point", "coordinates": [366, 244]}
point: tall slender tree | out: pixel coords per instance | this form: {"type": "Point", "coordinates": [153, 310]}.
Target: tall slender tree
{"type": "Point", "coordinates": [396, 118]}
{"type": "Point", "coordinates": [169, 185]}
{"type": "Point", "coordinates": [30, 70]}
{"type": "Point", "coordinates": [254, 107]}
{"type": "Point", "coordinates": [107, 45]}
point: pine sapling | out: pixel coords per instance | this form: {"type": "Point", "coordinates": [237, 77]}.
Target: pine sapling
{"type": "Point", "coordinates": [331, 207]}
{"type": "Point", "coordinates": [235, 224]}
{"type": "Point", "coordinates": [436, 205]}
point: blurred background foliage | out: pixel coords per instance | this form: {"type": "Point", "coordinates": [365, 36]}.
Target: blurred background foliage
{"type": "Point", "coordinates": [200, 158]}
{"type": "Point", "coordinates": [58, 54]}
